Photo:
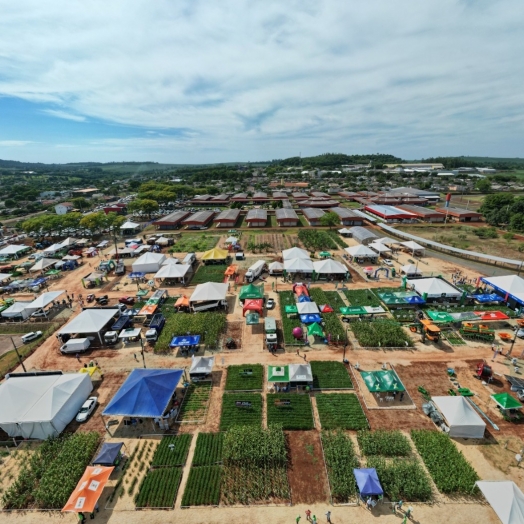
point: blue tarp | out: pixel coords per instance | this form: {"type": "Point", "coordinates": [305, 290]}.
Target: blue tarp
{"type": "Point", "coordinates": [39, 281]}
{"type": "Point", "coordinates": [414, 300]}
{"type": "Point", "coordinates": [492, 297]}
{"type": "Point", "coordinates": [108, 454]}
{"type": "Point", "coordinates": [304, 298]}
{"type": "Point", "coordinates": [191, 340]}
{"type": "Point", "coordinates": [146, 393]}
{"type": "Point", "coordinates": [137, 274]}
{"type": "Point", "coordinates": [309, 319]}
{"type": "Point", "coordinates": [367, 482]}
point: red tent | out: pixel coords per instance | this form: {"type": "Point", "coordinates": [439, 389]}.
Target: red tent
{"type": "Point", "coordinates": [254, 304]}
{"type": "Point", "coordinates": [491, 315]}
{"type": "Point", "coordinates": [326, 309]}
{"type": "Point", "coordinates": [300, 289]}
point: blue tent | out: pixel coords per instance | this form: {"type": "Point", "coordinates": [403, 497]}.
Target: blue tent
{"type": "Point", "coordinates": [310, 318]}
{"type": "Point", "coordinates": [414, 300]}
{"type": "Point", "coordinates": [367, 482]}
{"type": "Point", "coordinates": [190, 340]}
{"type": "Point", "coordinates": [137, 274]}
{"type": "Point", "coordinates": [304, 298]}
{"type": "Point", "coordinates": [109, 454]}
{"type": "Point", "coordinates": [146, 393]}
{"type": "Point", "coordinates": [492, 297]}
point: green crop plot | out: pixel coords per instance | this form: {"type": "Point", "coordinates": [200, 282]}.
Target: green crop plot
{"type": "Point", "coordinates": [296, 414]}
{"type": "Point", "coordinates": [234, 414]}
{"type": "Point", "coordinates": [248, 377]}
{"type": "Point", "coordinates": [214, 273]}
{"type": "Point", "coordinates": [172, 451]}
{"type": "Point", "coordinates": [195, 403]}
{"type": "Point", "coordinates": [340, 411]}
{"type": "Point", "coordinates": [330, 375]}
{"type": "Point", "coordinates": [208, 449]}
{"type": "Point", "coordinates": [203, 486]}
{"type": "Point", "coordinates": [362, 297]}
{"type": "Point", "coordinates": [385, 443]}
{"type": "Point", "coordinates": [159, 488]}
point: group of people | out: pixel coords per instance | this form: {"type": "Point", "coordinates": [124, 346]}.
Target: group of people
{"type": "Point", "coordinates": [313, 518]}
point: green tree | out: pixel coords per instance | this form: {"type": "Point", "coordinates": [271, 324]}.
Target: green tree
{"type": "Point", "coordinates": [517, 223]}
{"type": "Point", "coordinates": [145, 205]}
{"type": "Point", "coordinates": [330, 219]}
{"type": "Point", "coordinates": [483, 185]}
{"type": "Point", "coordinates": [276, 204]}
{"type": "Point", "coordinates": [94, 221]}
{"type": "Point", "coordinates": [508, 237]}
{"type": "Point", "coordinates": [81, 203]}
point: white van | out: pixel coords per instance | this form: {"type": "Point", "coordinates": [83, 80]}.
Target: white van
{"type": "Point", "coordinates": [75, 345]}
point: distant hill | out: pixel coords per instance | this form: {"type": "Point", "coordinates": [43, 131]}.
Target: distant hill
{"type": "Point", "coordinates": [337, 159]}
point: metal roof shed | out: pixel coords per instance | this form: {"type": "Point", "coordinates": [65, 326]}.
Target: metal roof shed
{"type": "Point", "coordinates": [363, 235]}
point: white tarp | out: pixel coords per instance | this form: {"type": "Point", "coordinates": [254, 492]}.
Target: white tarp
{"type": "Point", "coordinates": [380, 248]}
{"type": "Point", "coordinates": [361, 251]}
{"type": "Point", "coordinates": [295, 252]}
{"type": "Point", "coordinates": [231, 240]}
{"type": "Point", "coordinates": [12, 250]}
{"type": "Point", "coordinates": [505, 498]}
{"type": "Point", "coordinates": [4, 276]}
{"type": "Point", "coordinates": [170, 260]}
{"type": "Point", "coordinates": [39, 407]}
{"type": "Point", "coordinates": [68, 242]}
{"type": "Point", "coordinates": [43, 264]}
{"type": "Point", "coordinates": [413, 246]}
{"type": "Point", "coordinates": [388, 241]}
{"type": "Point", "coordinates": [307, 308]}
{"type": "Point", "coordinates": [18, 309]}
{"type": "Point", "coordinates": [43, 300]}
{"type": "Point", "coordinates": [300, 373]}
{"type": "Point", "coordinates": [53, 249]}
{"type": "Point", "coordinates": [435, 288]}
{"type": "Point", "coordinates": [173, 271]}
{"type": "Point", "coordinates": [461, 418]}
{"type": "Point", "coordinates": [298, 265]}
{"type": "Point", "coordinates": [201, 365]}
{"type": "Point", "coordinates": [209, 291]}
{"type": "Point", "coordinates": [329, 267]}
{"type": "Point", "coordinates": [162, 241]}
{"type": "Point", "coordinates": [130, 225]}
{"type": "Point", "coordinates": [410, 269]}
{"type": "Point", "coordinates": [148, 263]}
{"type": "Point", "coordinates": [89, 321]}
{"type": "Point", "coordinates": [344, 231]}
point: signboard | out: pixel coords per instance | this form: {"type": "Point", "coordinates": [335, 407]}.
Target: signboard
{"type": "Point", "coordinates": [246, 372]}
{"type": "Point", "coordinates": [242, 404]}
{"type": "Point", "coordinates": [113, 423]}
{"type": "Point", "coordinates": [279, 403]}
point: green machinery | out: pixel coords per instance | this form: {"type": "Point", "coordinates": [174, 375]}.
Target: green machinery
{"type": "Point", "coordinates": [480, 332]}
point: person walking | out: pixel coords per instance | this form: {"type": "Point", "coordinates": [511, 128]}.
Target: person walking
{"type": "Point", "coordinates": [81, 517]}
{"type": "Point", "coordinates": [314, 520]}
{"type": "Point", "coordinates": [134, 354]}
{"type": "Point", "coordinates": [297, 520]}
{"type": "Point", "coordinates": [78, 357]}
{"type": "Point", "coordinates": [298, 353]}
{"type": "Point", "coordinates": [328, 516]}
{"type": "Point", "coordinates": [495, 355]}
{"type": "Point", "coordinates": [308, 514]}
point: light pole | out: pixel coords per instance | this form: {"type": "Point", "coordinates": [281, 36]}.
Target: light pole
{"type": "Point", "coordinates": [18, 355]}
{"type": "Point", "coordinates": [142, 351]}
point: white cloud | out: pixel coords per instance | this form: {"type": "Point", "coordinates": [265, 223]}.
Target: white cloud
{"type": "Point", "coordinates": [262, 80]}
{"type": "Point", "coordinates": [14, 143]}
{"type": "Point", "coordinates": [64, 114]}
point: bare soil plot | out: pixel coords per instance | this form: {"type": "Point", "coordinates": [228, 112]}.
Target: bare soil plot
{"type": "Point", "coordinates": [306, 469]}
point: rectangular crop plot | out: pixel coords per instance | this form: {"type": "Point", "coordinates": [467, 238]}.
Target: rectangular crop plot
{"type": "Point", "coordinates": [330, 375]}
{"type": "Point", "coordinates": [362, 297]}
{"type": "Point", "coordinates": [208, 449]}
{"type": "Point", "coordinates": [380, 334]}
{"type": "Point", "coordinates": [340, 411]}
{"type": "Point", "coordinates": [334, 300]}
{"type": "Point", "coordinates": [248, 377]}
{"type": "Point", "coordinates": [385, 443]}
{"type": "Point", "coordinates": [172, 451]}
{"type": "Point", "coordinates": [241, 409]}
{"type": "Point", "coordinates": [159, 488]}
{"type": "Point", "coordinates": [214, 273]}
{"type": "Point", "coordinates": [196, 400]}
{"type": "Point", "coordinates": [295, 415]}
{"type": "Point", "coordinates": [203, 486]}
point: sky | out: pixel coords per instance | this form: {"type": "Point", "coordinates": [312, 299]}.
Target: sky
{"type": "Point", "coordinates": [196, 81]}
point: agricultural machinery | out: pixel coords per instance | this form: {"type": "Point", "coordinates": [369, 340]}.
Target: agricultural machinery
{"type": "Point", "coordinates": [480, 332]}
{"type": "Point", "coordinates": [484, 372]}
{"type": "Point", "coordinates": [428, 329]}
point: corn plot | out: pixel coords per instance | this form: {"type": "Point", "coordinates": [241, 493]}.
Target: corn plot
{"type": "Point", "coordinates": [295, 415]}
{"type": "Point", "coordinates": [340, 411]}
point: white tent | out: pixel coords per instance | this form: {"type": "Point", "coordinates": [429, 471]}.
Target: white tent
{"type": "Point", "coordinates": [344, 231]}
{"type": "Point", "coordinates": [12, 250]}
{"type": "Point", "coordinates": [162, 241]}
{"type": "Point", "coordinates": [505, 498]}
{"type": "Point", "coordinates": [461, 418]}
{"type": "Point", "coordinates": [231, 240]}
{"type": "Point", "coordinates": [39, 407]}
{"type": "Point", "coordinates": [18, 309]}
{"type": "Point", "coordinates": [300, 373]}
{"type": "Point", "coordinates": [201, 365]}
{"type": "Point", "coordinates": [329, 267]}
{"type": "Point", "coordinates": [295, 252]}
{"type": "Point", "coordinates": [298, 265]}
{"type": "Point", "coordinates": [89, 321]}
{"type": "Point", "coordinates": [275, 267]}
{"type": "Point", "coordinates": [43, 300]}
{"type": "Point", "coordinates": [4, 276]}
{"type": "Point", "coordinates": [435, 288]}
{"type": "Point", "coordinates": [413, 246]}
{"type": "Point", "coordinates": [130, 225]}
{"type": "Point", "coordinates": [512, 284]}
{"type": "Point", "coordinates": [71, 257]}
{"type": "Point", "coordinates": [361, 251]}
{"type": "Point", "coordinates": [209, 291]}
{"type": "Point", "coordinates": [43, 264]}
{"type": "Point", "coordinates": [149, 263]}
{"type": "Point", "coordinates": [387, 241]}
{"type": "Point", "coordinates": [307, 308]}
{"type": "Point", "coordinates": [53, 249]}
{"type": "Point", "coordinates": [170, 260]}
{"type": "Point", "coordinates": [410, 270]}
{"type": "Point", "coordinates": [379, 248]}
{"type": "Point", "coordinates": [68, 242]}
{"type": "Point", "coordinates": [179, 271]}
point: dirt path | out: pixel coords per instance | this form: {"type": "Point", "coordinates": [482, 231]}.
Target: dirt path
{"type": "Point", "coordinates": [186, 470]}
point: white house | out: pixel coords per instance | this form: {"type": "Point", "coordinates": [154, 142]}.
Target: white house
{"type": "Point", "coordinates": [63, 208]}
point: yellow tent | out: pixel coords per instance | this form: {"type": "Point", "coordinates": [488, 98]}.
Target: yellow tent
{"type": "Point", "coordinates": [91, 370]}
{"type": "Point", "coordinates": [215, 254]}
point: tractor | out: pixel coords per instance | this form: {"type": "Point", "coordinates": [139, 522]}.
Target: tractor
{"type": "Point", "coordinates": [429, 330]}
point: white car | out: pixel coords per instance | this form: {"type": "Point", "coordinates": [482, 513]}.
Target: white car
{"type": "Point", "coordinates": [87, 408]}
{"type": "Point", "coordinates": [388, 262]}
{"type": "Point", "coordinates": [39, 313]}
{"type": "Point", "coordinates": [30, 336]}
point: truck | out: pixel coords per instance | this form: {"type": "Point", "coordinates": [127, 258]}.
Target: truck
{"type": "Point", "coordinates": [255, 270]}
{"type": "Point", "coordinates": [120, 268]}
{"type": "Point", "coordinates": [75, 345]}
{"type": "Point", "coordinates": [122, 322]}
{"type": "Point", "coordinates": [270, 330]}
{"type": "Point", "coordinates": [111, 337]}
{"type": "Point", "coordinates": [155, 327]}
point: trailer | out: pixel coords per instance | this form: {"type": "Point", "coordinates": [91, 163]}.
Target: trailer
{"type": "Point", "coordinates": [270, 329]}
{"type": "Point", "coordinates": [155, 327]}
{"type": "Point", "coordinates": [255, 270]}
{"type": "Point", "coordinates": [122, 322]}
{"type": "Point", "coordinates": [75, 345]}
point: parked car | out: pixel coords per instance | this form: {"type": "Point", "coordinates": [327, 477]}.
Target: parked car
{"type": "Point", "coordinates": [388, 262]}
{"type": "Point", "coordinates": [87, 408]}
{"type": "Point", "coordinates": [270, 304]}
{"type": "Point", "coordinates": [28, 337]}
{"type": "Point", "coordinates": [39, 313]}
{"type": "Point", "coordinates": [127, 300]}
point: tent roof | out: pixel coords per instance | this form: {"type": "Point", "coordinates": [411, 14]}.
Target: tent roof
{"type": "Point", "coordinates": [44, 299]}
{"type": "Point", "coordinates": [381, 248]}
{"type": "Point", "coordinates": [410, 244]}
{"type": "Point", "coordinates": [53, 248]}
{"type": "Point", "coordinates": [108, 453]}
{"type": "Point", "coordinates": [276, 266]}
{"type": "Point", "coordinates": [278, 373]}
{"type": "Point", "coordinates": [434, 287]}
{"type": "Point", "coordinates": [4, 276]}
{"type": "Point", "coordinates": [360, 251]}
{"type": "Point", "coordinates": [457, 411]}
{"type": "Point", "coordinates": [173, 271]}
{"type": "Point", "coordinates": [16, 308]}
{"type": "Point", "coordinates": [306, 308]}
{"type": "Point", "coordinates": [381, 381]}
{"type": "Point", "coordinates": [506, 401]}
{"type": "Point", "coordinates": [294, 265]}
{"type": "Point", "coordinates": [215, 254]}
{"type": "Point", "coordinates": [300, 373]}
{"type": "Point", "coordinates": [231, 240]}
{"type": "Point", "coordinates": [170, 260]}
{"type": "Point", "coordinates": [295, 252]}
{"type": "Point", "coordinates": [89, 489]}
{"type": "Point", "coordinates": [410, 269]}
{"type": "Point", "coordinates": [505, 498]}
{"type": "Point", "coordinates": [201, 364]}
{"type": "Point", "coordinates": [253, 304]}
{"type": "Point", "coordinates": [329, 266]}
{"type": "Point", "coordinates": [182, 301]}
{"type": "Point", "coordinates": [89, 321]}
{"type": "Point", "coordinates": [43, 263]}
{"type": "Point", "coordinates": [315, 329]}
{"type": "Point", "coordinates": [511, 284]}
{"type": "Point", "coordinates": [129, 225]}
{"type": "Point", "coordinates": [69, 241]}
{"type": "Point", "coordinates": [150, 258]}
{"type": "Point", "coordinates": [145, 393]}
{"type": "Point", "coordinates": [251, 291]}
{"type": "Point", "coordinates": [209, 291]}
{"type": "Point", "coordinates": [344, 231]}
{"type": "Point", "coordinates": [367, 482]}
{"type": "Point", "coordinates": [12, 250]}
{"type": "Point", "coordinates": [388, 241]}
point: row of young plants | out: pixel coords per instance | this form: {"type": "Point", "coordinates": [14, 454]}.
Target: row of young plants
{"type": "Point", "coordinates": [380, 333]}
{"type": "Point", "coordinates": [172, 451]}
{"type": "Point", "coordinates": [212, 273]}
{"type": "Point", "coordinates": [203, 486]}
{"type": "Point", "coordinates": [340, 411]}
{"type": "Point", "coordinates": [248, 413]}
{"type": "Point", "coordinates": [384, 443]}
{"type": "Point", "coordinates": [210, 326]}
{"type": "Point", "coordinates": [287, 298]}
{"type": "Point", "coordinates": [196, 401]}
{"type": "Point", "coordinates": [248, 377]}
{"type": "Point", "coordinates": [334, 300]}
{"type": "Point", "coordinates": [336, 238]}
{"type": "Point", "coordinates": [362, 297]}
{"type": "Point", "coordinates": [208, 451]}
{"type": "Point", "coordinates": [290, 410]}
{"type": "Point", "coordinates": [316, 240]}
{"type": "Point", "coordinates": [159, 488]}
{"type": "Point", "coordinates": [330, 375]}
{"type": "Point", "coordinates": [53, 471]}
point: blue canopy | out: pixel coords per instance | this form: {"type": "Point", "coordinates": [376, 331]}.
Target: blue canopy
{"type": "Point", "coordinates": [304, 298]}
{"type": "Point", "coordinates": [310, 318]}
{"type": "Point", "coordinates": [189, 340]}
{"type": "Point", "coordinates": [367, 482]}
{"type": "Point", "coordinates": [136, 274]}
{"type": "Point", "coordinates": [108, 454]}
{"type": "Point", "coordinates": [38, 281]}
{"type": "Point", "coordinates": [492, 297]}
{"type": "Point", "coordinates": [414, 300]}
{"type": "Point", "coordinates": [145, 393]}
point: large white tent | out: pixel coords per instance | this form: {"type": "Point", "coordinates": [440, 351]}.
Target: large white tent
{"type": "Point", "coordinates": [461, 418]}
{"type": "Point", "coordinates": [298, 265]}
{"type": "Point", "coordinates": [18, 309]}
{"type": "Point", "coordinates": [307, 308]}
{"type": "Point", "coordinates": [329, 267]}
{"type": "Point", "coordinates": [300, 373]}
{"type": "Point", "coordinates": [209, 291]}
{"type": "Point", "coordinates": [512, 285]}
{"type": "Point", "coordinates": [89, 321]}
{"type": "Point", "coordinates": [51, 250]}
{"type": "Point", "coordinates": [379, 248]}
{"type": "Point", "coordinates": [5, 276]}
{"type": "Point", "coordinates": [41, 406]}
{"type": "Point", "coordinates": [69, 242]}
{"type": "Point", "coordinates": [275, 267]}
{"type": "Point", "coordinates": [149, 263]}
{"type": "Point", "coordinates": [201, 365]}
{"type": "Point", "coordinates": [361, 251]}
{"type": "Point", "coordinates": [170, 261]}
{"type": "Point", "coordinates": [174, 271]}
{"type": "Point", "coordinates": [295, 252]}
{"type": "Point", "coordinates": [413, 247]}
{"type": "Point", "coordinates": [43, 300]}
{"type": "Point", "coordinates": [410, 270]}
{"type": "Point", "coordinates": [387, 241]}
{"type": "Point", "coordinates": [505, 498]}
{"type": "Point", "coordinates": [12, 250]}
{"type": "Point", "coordinates": [435, 288]}
{"type": "Point", "coordinates": [43, 264]}
{"type": "Point", "coordinates": [130, 225]}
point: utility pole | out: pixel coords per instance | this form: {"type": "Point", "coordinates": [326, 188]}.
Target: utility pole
{"type": "Point", "coordinates": [143, 357]}
{"type": "Point", "coordinates": [18, 355]}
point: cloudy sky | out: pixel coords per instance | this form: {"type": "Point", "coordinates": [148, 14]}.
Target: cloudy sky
{"type": "Point", "coordinates": [192, 81]}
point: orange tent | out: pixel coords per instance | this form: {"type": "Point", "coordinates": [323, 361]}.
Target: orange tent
{"type": "Point", "coordinates": [183, 301]}
{"type": "Point", "coordinates": [231, 270]}
{"type": "Point", "coordinates": [255, 304]}
{"type": "Point", "coordinates": [300, 289]}
{"type": "Point", "coordinates": [88, 489]}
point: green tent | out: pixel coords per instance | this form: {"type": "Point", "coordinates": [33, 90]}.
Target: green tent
{"type": "Point", "coordinates": [352, 310]}
{"type": "Point", "coordinates": [252, 319]}
{"type": "Point", "coordinates": [382, 381]}
{"type": "Point", "coordinates": [440, 316]}
{"type": "Point", "coordinates": [251, 291]}
{"type": "Point", "coordinates": [315, 329]}
{"type": "Point", "coordinates": [291, 309]}
{"type": "Point", "coordinates": [391, 298]}
{"type": "Point", "coordinates": [506, 401]}
{"type": "Point", "coordinates": [53, 272]}
{"type": "Point", "coordinates": [325, 254]}
{"type": "Point", "coordinates": [278, 374]}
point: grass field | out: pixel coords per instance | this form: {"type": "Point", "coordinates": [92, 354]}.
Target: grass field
{"type": "Point", "coordinates": [296, 415]}
{"type": "Point", "coordinates": [245, 377]}
{"type": "Point", "coordinates": [330, 375]}
{"type": "Point", "coordinates": [340, 411]}
{"type": "Point", "coordinates": [214, 273]}
{"type": "Point", "coordinates": [232, 415]}
{"type": "Point", "coordinates": [189, 243]}
{"type": "Point", "coordinates": [362, 297]}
